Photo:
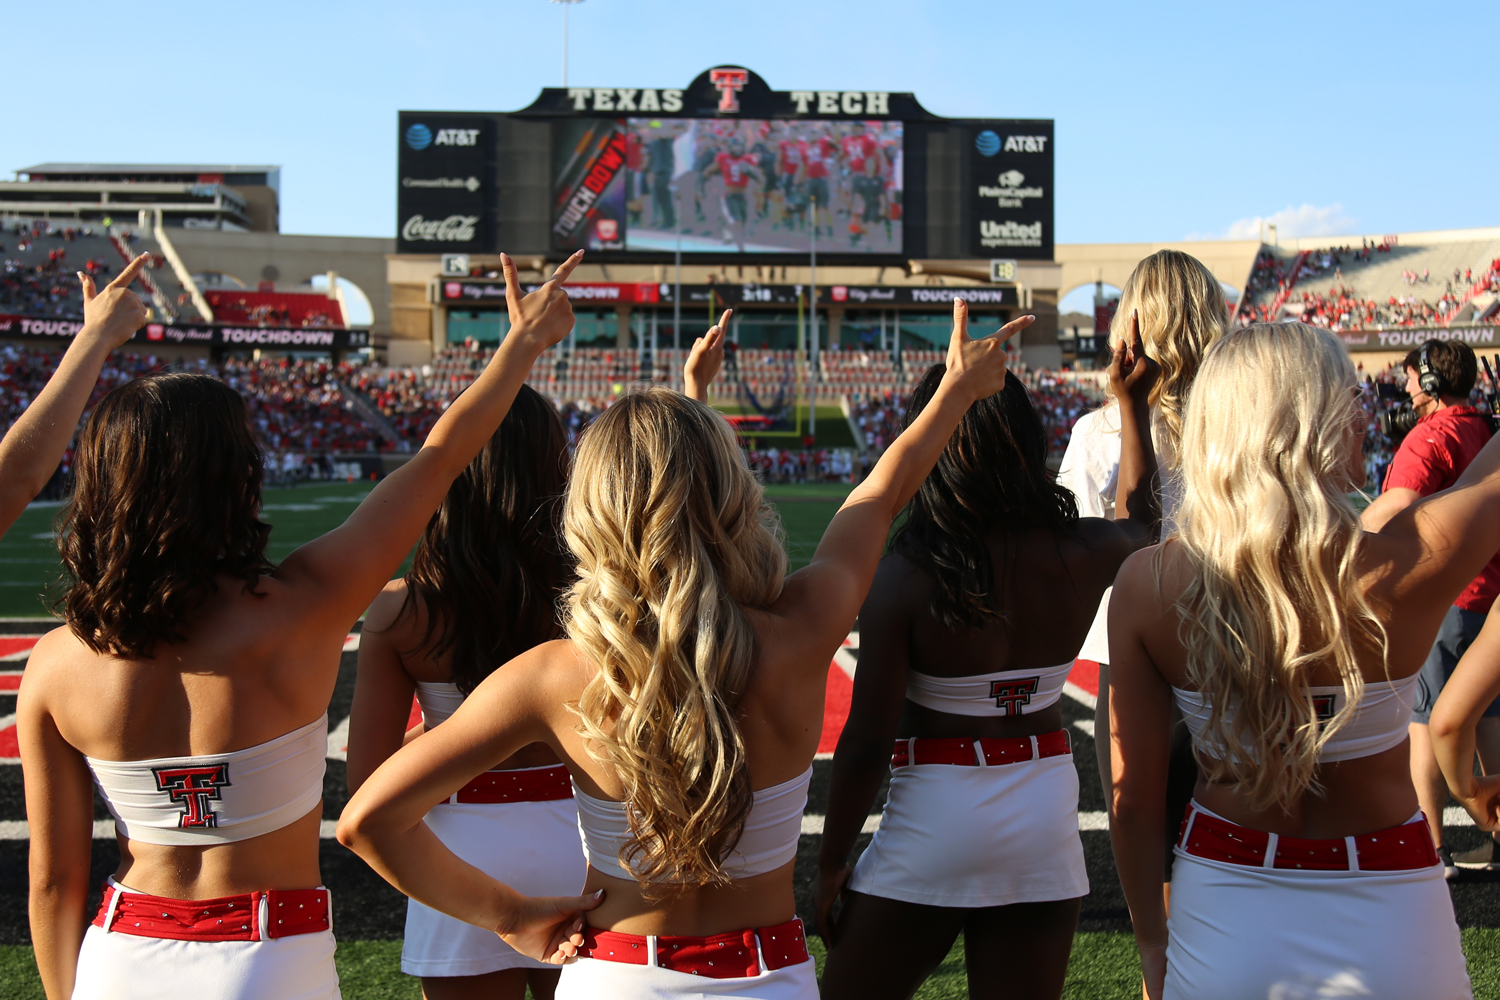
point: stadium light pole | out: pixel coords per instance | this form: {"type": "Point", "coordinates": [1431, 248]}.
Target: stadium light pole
{"type": "Point", "coordinates": [565, 5]}
{"type": "Point", "coordinates": [812, 343]}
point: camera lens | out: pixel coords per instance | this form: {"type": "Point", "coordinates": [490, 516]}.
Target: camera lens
{"type": "Point", "coordinates": [1396, 424]}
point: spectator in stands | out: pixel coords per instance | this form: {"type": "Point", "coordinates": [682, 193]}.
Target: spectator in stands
{"type": "Point", "coordinates": [1439, 377]}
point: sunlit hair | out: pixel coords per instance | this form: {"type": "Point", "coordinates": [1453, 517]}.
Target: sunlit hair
{"type": "Point", "coordinates": [992, 474]}
{"type": "Point", "coordinates": [673, 539]}
{"type": "Point", "coordinates": [1271, 536]}
{"type": "Point", "coordinates": [166, 499]}
{"type": "Point", "coordinates": [1182, 311]}
{"type": "Point", "coordinates": [490, 567]}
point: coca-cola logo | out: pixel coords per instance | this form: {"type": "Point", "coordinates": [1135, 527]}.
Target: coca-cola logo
{"type": "Point", "coordinates": [453, 229]}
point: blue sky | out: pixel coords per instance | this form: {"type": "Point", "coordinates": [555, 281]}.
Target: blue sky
{"type": "Point", "coordinates": [1173, 119]}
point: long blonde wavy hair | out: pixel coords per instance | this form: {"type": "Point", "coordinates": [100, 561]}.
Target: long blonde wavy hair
{"type": "Point", "coordinates": [1271, 536]}
{"type": "Point", "coordinates": [674, 539]}
{"type": "Point", "coordinates": [1182, 312]}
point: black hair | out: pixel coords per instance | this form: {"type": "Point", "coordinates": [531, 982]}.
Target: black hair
{"type": "Point", "coordinates": [1452, 360]}
{"type": "Point", "coordinates": [993, 473]}
{"type": "Point", "coordinates": [491, 565]}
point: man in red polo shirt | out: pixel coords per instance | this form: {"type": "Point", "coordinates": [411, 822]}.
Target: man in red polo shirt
{"type": "Point", "coordinates": [1430, 459]}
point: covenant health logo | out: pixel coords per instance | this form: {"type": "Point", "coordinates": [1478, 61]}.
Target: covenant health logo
{"type": "Point", "coordinates": [419, 136]}
{"type": "Point", "coordinates": [987, 142]}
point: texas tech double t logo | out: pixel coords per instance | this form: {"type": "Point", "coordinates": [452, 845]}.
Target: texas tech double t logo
{"type": "Point", "coordinates": [194, 788]}
{"type": "Point", "coordinates": [1012, 695]}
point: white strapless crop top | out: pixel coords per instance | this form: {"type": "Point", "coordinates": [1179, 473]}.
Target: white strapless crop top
{"type": "Point", "coordinates": [1379, 723]}
{"type": "Point", "coordinates": [216, 798]}
{"type": "Point", "coordinates": [768, 842]}
{"type": "Point", "coordinates": [439, 700]}
{"type": "Point", "coordinates": [1004, 692]}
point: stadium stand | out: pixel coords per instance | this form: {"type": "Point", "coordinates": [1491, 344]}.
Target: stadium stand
{"type": "Point", "coordinates": [274, 308]}
{"type": "Point", "coordinates": [1384, 284]}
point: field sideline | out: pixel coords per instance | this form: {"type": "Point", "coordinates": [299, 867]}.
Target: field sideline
{"type": "Point", "coordinates": [369, 914]}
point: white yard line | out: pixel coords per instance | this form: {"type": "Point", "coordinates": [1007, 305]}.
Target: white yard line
{"type": "Point", "coordinates": [338, 741]}
{"type": "Point", "coordinates": [846, 662]}
{"type": "Point", "coordinates": [1084, 726]}
{"type": "Point", "coordinates": [1079, 695]}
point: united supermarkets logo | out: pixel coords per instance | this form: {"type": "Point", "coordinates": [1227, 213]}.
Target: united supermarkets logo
{"type": "Point", "coordinates": [1009, 234]}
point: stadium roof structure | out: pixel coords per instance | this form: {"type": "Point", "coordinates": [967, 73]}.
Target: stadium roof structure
{"type": "Point", "coordinates": [149, 168]}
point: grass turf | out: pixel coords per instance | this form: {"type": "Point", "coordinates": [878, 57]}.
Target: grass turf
{"type": "Point", "coordinates": [298, 514]}
{"type": "Point", "coordinates": [1103, 967]}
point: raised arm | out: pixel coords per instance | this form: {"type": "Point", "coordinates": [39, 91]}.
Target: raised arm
{"type": "Point", "coordinates": [383, 822]}
{"type": "Point", "coordinates": [1140, 746]}
{"type": "Point", "coordinates": [1474, 685]}
{"type": "Point", "coordinates": [342, 571]}
{"type": "Point", "coordinates": [704, 360]}
{"type": "Point", "coordinates": [35, 443]}
{"type": "Point", "coordinates": [863, 757]}
{"type": "Point", "coordinates": [382, 688]}
{"type": "Point", "coordinates": [820, 600]}
{"type": "Point", "coordinates": [1138, 496]}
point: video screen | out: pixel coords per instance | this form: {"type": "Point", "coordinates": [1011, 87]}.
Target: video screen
{"type": "Point", "coordinates": [727, 185]}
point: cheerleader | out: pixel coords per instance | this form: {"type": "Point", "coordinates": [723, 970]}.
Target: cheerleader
{"type": "Point", "coordinates": [991, 577]}
{"type": "Point", "coordinates": [1291, 641]}
{"type": "Point", "coordinates": [191, 683]}
{"type": "Point", "coordinates": [483, 588]}
{"type": "Point", "coordinates": [35, 443]}
{"type": "Point", "coordinates": [686, 702]}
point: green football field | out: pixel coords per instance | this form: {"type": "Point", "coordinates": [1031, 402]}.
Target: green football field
{"type": "Point", "coordinates": [1103, 963]}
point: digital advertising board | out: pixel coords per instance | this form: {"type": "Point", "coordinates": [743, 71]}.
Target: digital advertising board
{"type": "Point", "coordinates": [725, 169]}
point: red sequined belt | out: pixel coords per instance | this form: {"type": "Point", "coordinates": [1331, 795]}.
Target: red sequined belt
{"type": "Point", "coordinates": [732, 955]}
{"type": "Point", "coordinates": [533, 784]}
{"type": "Point", "coordinates": [1399, 848]}
{"type": "Point", "coordinates": [982, 752]}
{"type": "Point", "coordinates": [253, 916]}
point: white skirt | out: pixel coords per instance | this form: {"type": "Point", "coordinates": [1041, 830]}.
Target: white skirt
{"type": "Point", "coordinates": [533, 847]}
{"type": "Point", "coordinates": [592, 979]}
{"type": "Point", "coordinates": [1242, 933]}
{"type": "Point", "coordinates": [116, 966]}
{"type": "Point", "coordinates": [978, 836]}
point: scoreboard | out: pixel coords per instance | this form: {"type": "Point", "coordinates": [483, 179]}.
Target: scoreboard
{"type": "Point", "coordinates": [724, 170]}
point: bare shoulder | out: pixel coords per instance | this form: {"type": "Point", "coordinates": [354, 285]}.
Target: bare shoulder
{"type": "Point", "coordinates": [547, 675]}
{"type": "Point", "coordinates": [899, 586]}
{"type": "Point", "coordinates": [53, 662]}
{"type": "Point", "coordinates": [1150, 579]}
{"type": "Point", "coordinates": [385, 610]}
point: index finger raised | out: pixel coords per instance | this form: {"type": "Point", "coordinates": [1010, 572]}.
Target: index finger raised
{"type": "Point", "coordinates": [129, 272]}
{"type": "Point", "coordinates": [566, 268]}
{"type": "Point", "coordinates": [960, 320]}
{"type": "Point", "coordinates": [1014, 327]}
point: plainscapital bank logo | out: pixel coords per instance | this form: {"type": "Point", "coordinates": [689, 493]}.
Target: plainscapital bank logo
{"type": "Point", "coordinates": [453, 229]}
{"type": "Point", "coordinates": [987, 142]}
{"type": "Point", "coordinates": [419, 136]}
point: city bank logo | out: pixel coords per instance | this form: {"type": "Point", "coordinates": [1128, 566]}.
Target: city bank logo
{"type": "Point", "coordinates": [729, 83]}
{"type": "Point", "coordinates": [453, 290]}
{"type": "Point", "coordinates": [987, 142]}
{"type": "Point", "coordinates": [155, 331]}
{"type": "Point", "coordinates": [419, 136]}
{"type": "Point", "coordinates": [608, 229]}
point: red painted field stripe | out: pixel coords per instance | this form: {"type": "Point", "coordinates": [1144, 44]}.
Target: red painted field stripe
{"type": "Point", "coordinates": [16, 643]}
{"type": "Point", "coordinates": [416, 713]}
{"type": "Point", "coordinates": [10, 746]}
{"type": "Point", "coordinates": [10, 682]}
{"type": "Point", "coordinates": [835, 708]}
{"type": "Point", "coordinates": [1085, 674]}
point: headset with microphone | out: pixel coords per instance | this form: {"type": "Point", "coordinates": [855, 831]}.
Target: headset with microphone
{"type": "Point", "coordinates": [1429, 379]}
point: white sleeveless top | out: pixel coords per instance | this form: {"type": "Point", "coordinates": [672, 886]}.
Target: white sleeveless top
{"type": "Point", "coordinates": [439, 700]}
{"type": "Point", "coordinates": [768, 842]}
{"type": "Point", "coordinates": [1379, 723]}
{"type": "Point", "coordinates": [216, 798]}
{"type": "Point", "coordinates": [1004, 692]}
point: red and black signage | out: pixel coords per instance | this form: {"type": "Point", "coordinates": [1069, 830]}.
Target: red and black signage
{"type": "Point", "coordinates": [479, 293]}
{"type": "Point", "coordinates": [204, 334]}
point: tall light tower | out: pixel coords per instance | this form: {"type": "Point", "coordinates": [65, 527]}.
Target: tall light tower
{"type": "Point", "coordinates": [565, 5]}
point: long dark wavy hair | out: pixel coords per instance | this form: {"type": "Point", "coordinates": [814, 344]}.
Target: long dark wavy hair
{"type": "Point", "coordinates": [166, 499]}
{"type": "Point", "coordinates": [993, 473]}
{"type": "Point", "coordinates": [491, 566]}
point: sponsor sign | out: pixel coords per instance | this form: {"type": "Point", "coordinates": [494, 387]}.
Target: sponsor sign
{"type": "Point", "coordinates": [852, 296]}
{"type": "Point", "coordinates": [445, 197]}
{"type": "Point", "coordinates": [1009, 192]}
{"type": "Point", "coordinates": [167, 334]}
{"type": "Point", "coordinates": [588, 185]}
{"type": "Point", "coordinates": [1405, 338]}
